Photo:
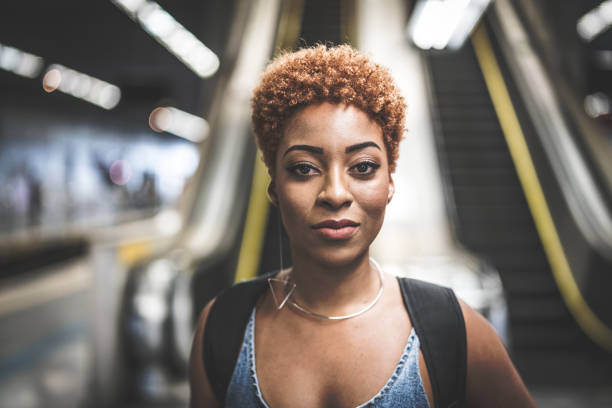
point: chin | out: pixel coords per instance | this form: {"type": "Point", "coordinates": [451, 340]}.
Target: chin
{"type": "Point", "coordinates": [336, 255]}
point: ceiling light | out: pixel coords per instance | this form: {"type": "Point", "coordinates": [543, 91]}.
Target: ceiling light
{"type": "Point", "coordinates": [82, 86]}
{"type": "Point", "coordinates": [179, 123]}
{"type": "Point", "coordinates": [20, 62]}
{"type": "Point", "coordinates": [130, 6]}
{"type": "Point", "coordinates": [172, 35]}
{"type": "Point", "coordinates": [595, 21]}
{"type": "Point", "coordinates": [597, 104]}
{"type": "Point", "coordinates": [52, 80]}
{"type": "Point", "coordinates": [443, 24]}
{"type": "Point", "coordinates": [120, 172]}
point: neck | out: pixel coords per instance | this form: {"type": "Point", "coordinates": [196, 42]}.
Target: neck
{"type": "Point", "coordinates": [333, 289]}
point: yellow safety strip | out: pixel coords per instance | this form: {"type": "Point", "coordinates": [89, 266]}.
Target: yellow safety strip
{"type": "Point", "coordinates": [257, 212]}
{"type": "Point", "coordinates": [586, 318]}
{"type": "Point", "coordinates": [254, 228]}
{"type": "Point", "coordinates": [132, 252]}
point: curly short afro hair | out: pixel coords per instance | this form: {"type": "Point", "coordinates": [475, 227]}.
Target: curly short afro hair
{"type": "Point", "coordinates": [314, 75]}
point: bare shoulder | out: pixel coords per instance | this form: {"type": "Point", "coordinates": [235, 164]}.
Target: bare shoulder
{"type": "Point", "coordinates": [492, 379]}
{"type": "Point", "coordinates": [202, 394]}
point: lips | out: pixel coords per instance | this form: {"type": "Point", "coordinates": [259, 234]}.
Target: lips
{"type": "Point", "coordinates": [336, 229]}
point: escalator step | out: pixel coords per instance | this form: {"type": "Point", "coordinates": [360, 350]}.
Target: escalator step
{"type": "Point", "coordinates": [470, 177]}
{"type": "Point", "coordinates": [545, 367]}
{"type": "Point", "coordinates": [465, 141]}
{"type": "Point", "coordinates": [493, 219]}
{"type": "Point", "coordinates": [479, 111]}
{"type": "Point", "coordinates": [479, 160]}
{"type": "Point", "coordinates": [547, 337]}
{"type": "Point", "coordinates": [536, 308]}
{"type": "Point", "coordinates": [530, 260]}
{"type": "Point", "coordinates": [494, 214]}
{"type": "Point", "coordinates": [513, 243]}
{"type": "Point", "coordinates": [488, 195]}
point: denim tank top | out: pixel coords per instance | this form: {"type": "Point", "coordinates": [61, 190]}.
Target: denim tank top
{"type": "Point", "coordinates": [403, 389]}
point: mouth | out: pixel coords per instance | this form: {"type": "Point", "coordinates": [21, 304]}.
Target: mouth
{"type": "Point", "coordinates": [336, 229]}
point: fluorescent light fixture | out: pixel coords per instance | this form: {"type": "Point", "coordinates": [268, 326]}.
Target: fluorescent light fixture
{"type": "Point", "coordinates": [595, 21]}
{"type": "Point", "coordinates": [597, 104]}
{"type": "Point", "coordinates": [444, 24]}
{"type": "Point", "coordinates": [172, 35]}
{"type": "Point", "coordinates": [130, 6]}
{"type": "Point", "coordinates": [82, 86]}
{"type": "Point", "coordinates": [179, 123]}
{"type": "Point", "coordinates": [20, 62]}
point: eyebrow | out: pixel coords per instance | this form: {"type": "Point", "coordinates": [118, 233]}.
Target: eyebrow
{"type": "Point", "coordinates": [318, 150]}
{"type": "Point", "coordinates": [360, 146]}
{"type": "Point", "coordinates": [308, 148]}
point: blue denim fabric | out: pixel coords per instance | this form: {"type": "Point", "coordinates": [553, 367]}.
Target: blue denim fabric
{"type": "Point", "coordinates": [403, 389]}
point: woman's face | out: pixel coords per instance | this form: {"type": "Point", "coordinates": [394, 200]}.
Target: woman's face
{"type": "Point", "coordinates": [331, 182]}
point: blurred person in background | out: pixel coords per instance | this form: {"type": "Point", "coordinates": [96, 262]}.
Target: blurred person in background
{"type": "Point", "coordinates": [334, 329]}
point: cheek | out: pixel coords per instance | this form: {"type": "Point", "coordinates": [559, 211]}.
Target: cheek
{"type": "Point", "coordinates": [294, 203]}
{"type": "Point", "coordinates": [373, 198]}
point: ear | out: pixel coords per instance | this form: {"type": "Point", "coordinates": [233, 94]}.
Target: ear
{"type": "Point", "coordinates": [391, 190]}
{"type": "Point", "coordinates": [272, 195]}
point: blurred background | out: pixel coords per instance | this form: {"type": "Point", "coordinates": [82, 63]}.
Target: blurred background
{"type": "Point", "coordinates": [131, 191]}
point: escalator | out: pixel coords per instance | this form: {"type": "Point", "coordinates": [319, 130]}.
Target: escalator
{"type": "Point", "coordinates": [183, 275]}
{"type": "Point", "coordinates": [493, 218]}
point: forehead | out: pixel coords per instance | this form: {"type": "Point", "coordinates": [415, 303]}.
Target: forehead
{"type": "Point", "coordinates": [331, 126]}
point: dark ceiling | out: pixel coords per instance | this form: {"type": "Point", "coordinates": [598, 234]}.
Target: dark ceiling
{"type": "Point", "coordinates": [99, 39]}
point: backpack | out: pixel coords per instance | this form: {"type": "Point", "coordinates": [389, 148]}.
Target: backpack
{"type": "Point", "coordinates": [434, 311]}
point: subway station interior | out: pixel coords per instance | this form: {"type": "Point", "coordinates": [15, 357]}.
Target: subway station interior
{"type": "Point", "coordinates": [132, 192]}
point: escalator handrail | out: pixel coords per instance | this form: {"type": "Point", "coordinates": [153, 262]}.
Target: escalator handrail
{"type": "Point", "coordinates": [211, 220]}
{"type": "Point", "coordinates": [565, 278]}
{"type": "Point", "coordinates": [578, 185]}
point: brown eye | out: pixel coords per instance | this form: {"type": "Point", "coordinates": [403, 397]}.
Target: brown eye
{"type": "Point", "coordinates": [365, 167]}
{"type": "Point", "coordinates": [303, 170]}
{"type": "Point", "coordinates": [362, 167]}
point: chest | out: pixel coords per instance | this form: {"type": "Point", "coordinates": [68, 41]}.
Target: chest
{"type": "Point", "coordinates": [319, 364]}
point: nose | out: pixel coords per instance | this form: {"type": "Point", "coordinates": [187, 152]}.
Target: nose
{"type": "Point", "coordinates": [335, 192]}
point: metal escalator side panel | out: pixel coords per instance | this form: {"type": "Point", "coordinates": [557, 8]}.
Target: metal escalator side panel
{"type": "Point", "coordinates": [254, 232]}
{"type": "Point", "coordinates": [571, 263]}
{"type": "Point", "coordinates": [494, 221]}
{"type": "Point", "coordinates": [547, 230]}
{"type": "Point", "coordinates": [213, 222]}
{"type": "Point", "coordinates": [157, 300]}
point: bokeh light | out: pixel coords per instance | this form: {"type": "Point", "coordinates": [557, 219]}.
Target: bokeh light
{"type": "Point", "coordinates": [120, 172]}
{"type": "Point", "coordinates": [52, 80]}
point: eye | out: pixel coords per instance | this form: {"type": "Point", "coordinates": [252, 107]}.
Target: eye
{"type": "Point", "coordinates": [303, 169]}
{"type": "Point", "coordinates": [365, 168]}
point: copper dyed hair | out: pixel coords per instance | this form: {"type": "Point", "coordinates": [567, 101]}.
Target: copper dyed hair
{"type": "Point", "coordinates": [310, 76]}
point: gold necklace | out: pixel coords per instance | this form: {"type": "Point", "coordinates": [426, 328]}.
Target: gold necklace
{"type": "Point", "coordinates": [289, 298]}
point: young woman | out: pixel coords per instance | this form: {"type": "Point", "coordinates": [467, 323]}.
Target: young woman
{"type": "Point", "coordinates": [328, 122]}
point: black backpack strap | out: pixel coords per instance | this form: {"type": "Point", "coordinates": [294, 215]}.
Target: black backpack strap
{"type": "Point", "coordinates": [224, 331]}
{"type": "Point", "coordinates": [438, 321]}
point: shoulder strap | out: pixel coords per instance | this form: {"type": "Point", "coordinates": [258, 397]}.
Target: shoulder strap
{"type": "Point", "coordinates": [438, 321]}
{"type": "Point", "coordinates": [224, 331]}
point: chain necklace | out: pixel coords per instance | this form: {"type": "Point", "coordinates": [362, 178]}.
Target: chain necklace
{"type": "Point", "coordinates": [370, 305]}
